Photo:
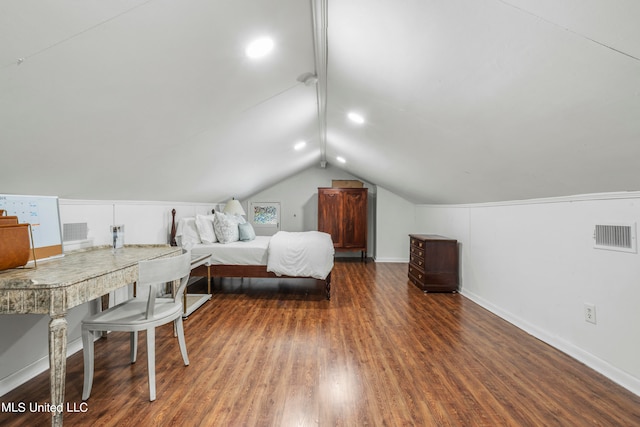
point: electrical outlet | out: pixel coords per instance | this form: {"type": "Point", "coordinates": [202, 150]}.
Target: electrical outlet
{"type": "Point", "coordinates": [590, 313]}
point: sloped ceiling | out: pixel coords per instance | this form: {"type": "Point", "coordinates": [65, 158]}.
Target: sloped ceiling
{"type": "Point", "coordinates": [464, 100]}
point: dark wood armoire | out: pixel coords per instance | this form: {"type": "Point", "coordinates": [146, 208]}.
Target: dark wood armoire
{"type": "Point", "coordinates": [342, 212]}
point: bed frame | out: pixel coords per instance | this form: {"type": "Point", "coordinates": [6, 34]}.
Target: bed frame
{"type": "Point", "coordinates": [258, 271]}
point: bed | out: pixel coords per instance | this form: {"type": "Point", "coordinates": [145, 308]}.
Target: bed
{"type": "Point", "coordinates": [284, 255]}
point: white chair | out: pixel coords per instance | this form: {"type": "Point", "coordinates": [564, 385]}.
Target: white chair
{"type": "Point", "coordinates": [142, 313]}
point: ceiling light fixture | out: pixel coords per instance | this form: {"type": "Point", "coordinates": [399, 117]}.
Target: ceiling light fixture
{"type": "Point", "coordinates": [341, 159]}
{"type": "Point", "coordinates": [259, 47]}
{"type": "Point", "coordinates": [300, 145]}
{"type": "Point", "coordinates": [356, 118]}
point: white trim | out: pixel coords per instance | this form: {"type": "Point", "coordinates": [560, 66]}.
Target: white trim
{"type": "Point", "coordinates": [560, 199]}
{"type": "Point", "coordinates": [395, 260]}
{"type": "Point", "coordinates": [131, 202]}
{"type": "Point", "coordinates": [614, 374]}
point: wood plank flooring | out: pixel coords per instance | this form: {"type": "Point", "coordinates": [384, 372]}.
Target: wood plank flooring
{"type": "Point", "coordinates": [380, 353]}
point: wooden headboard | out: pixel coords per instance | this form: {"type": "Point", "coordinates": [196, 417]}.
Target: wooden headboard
{"type": "Point", "coordinates": [172, 240]}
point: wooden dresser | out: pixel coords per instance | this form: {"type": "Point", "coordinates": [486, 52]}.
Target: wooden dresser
{"type": "Point", "coordinates": [433, 262]}
{"type": "Point", "coordinates": [342, 212]}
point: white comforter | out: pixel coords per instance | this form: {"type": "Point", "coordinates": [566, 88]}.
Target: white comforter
{"type": "Point", "coordinates": [301, 254]}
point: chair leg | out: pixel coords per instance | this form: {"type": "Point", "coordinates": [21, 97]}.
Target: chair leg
{"type": "Point", "coordinates": [87, 354]}
{"type": "Point", "coordinates": [183, 346]}
{"type": "Point", "coordinates": [151, 361]}
{"type": "Point", "coordinates": [133, 345]}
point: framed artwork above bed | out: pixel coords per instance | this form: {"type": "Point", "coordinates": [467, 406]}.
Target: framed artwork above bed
{"type": "Point", "coordinates": [264, 217]}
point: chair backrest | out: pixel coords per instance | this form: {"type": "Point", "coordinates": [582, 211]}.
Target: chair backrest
{"type": "Point", "coordinates": [161, 271]}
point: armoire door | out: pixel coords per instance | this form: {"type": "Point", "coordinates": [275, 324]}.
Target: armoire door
{"type": "Point", "coordinates": [354, 205]}
{"type": "Point", "coordinates": [330, 214]}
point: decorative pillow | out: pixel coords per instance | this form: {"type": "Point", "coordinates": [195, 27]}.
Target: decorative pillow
{"type": "Point", "coordinates": [226, 227]}
{"type": "Point", "coordinates": [188, 233]}
{"type": "Point", "coordinates": [204, 224]}
{"type": "Point", "coordinates": [246, 231]}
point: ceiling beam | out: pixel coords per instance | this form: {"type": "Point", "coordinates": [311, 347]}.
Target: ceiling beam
{"type": "Point", "coordinates": [319, 18]}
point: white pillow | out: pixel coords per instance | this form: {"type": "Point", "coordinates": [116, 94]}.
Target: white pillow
{"type": "Point", "coordinates": [204, 224]}
{"type": "Point", "coordinates": [226, 227]}
{"type": "Point", "coordinates": [188, 232]}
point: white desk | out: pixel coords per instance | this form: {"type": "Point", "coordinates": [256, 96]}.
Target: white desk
{"type": "Point", "coordinates": [192, 302]}
{"type": "Point", "coordinates": [58, 285]}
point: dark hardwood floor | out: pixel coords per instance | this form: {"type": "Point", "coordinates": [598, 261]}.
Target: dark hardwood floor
{"type": "Point", "coordinates": [380, 353]}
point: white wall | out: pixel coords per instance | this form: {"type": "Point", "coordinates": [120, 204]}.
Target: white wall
{"type": "Point", "coordinates": [395, 220]}
{"type": "Point", "coordinates": [533, 263]}
{"type": "Point", "coordinates": [298, 197]}
{"type": "Point", "coordinates": [24, 338]}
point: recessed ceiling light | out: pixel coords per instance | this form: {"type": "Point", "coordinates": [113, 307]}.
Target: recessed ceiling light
{"type": "Point", "coordinates": [299, 146]}
{"type": "Point", "coordinates": [341, 159]}
{"type": "Point", "coordinates": [259, 47]}
{"type": "Point", "coordinates": [356, 118]}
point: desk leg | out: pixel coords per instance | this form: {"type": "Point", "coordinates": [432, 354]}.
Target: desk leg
{"type": "Point", "coordinates": [184, 302]}
{"type": "Point", "coordinates": [57, 366]}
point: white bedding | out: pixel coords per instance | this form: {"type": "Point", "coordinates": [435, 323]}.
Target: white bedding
{"type": "Point", "coordinates": [301, 254]}
{"type": "Point", "coordinates": [251, 252]}
{"type": "Point", "coordinates": [296, 254]}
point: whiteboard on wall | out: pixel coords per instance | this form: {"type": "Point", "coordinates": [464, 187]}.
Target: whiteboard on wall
{"type": "Point", "coordinates": [43, 213]}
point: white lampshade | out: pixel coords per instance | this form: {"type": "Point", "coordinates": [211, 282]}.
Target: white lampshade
{"type": "Point", "coordinates": [234, 207]}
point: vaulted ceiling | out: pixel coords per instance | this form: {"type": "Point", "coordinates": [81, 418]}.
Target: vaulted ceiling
{"type": "Point", "coordinates": [463, 100]}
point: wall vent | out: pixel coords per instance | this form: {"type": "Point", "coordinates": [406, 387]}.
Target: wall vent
{"type": "Point", "coordinates": [615, 237]}
{"type": "Point", "coordinates": [74, 231]}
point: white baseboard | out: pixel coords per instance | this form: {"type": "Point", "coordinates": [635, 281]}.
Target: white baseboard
{"type": "Point", "coordinates": [396, 260]}
{"type": "Point", "coordinates": [614, 374]}
{"type": "Point", "coordinates": [31, 371]}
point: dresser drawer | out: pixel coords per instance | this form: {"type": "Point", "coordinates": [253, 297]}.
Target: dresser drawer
{"type": "Point", "coordinates": [416, 272]}
{"type": "Point", "coordinates": [417, 278]}
{"type": "Point", "coordinates": [417, 251]}
{"type": "Point", "coordinates": [418, 261]}
{"type": "Point", "coordinates": [417, 243]}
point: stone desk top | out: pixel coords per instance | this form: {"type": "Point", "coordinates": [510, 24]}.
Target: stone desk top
{"type": "Point", "coordinates": [79, 276]}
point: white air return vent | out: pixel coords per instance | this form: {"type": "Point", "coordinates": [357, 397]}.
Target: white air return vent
{"type": "Point", "coordinates": [74, 231]}
{"type": "Point", "coordinates": [615, 237]}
